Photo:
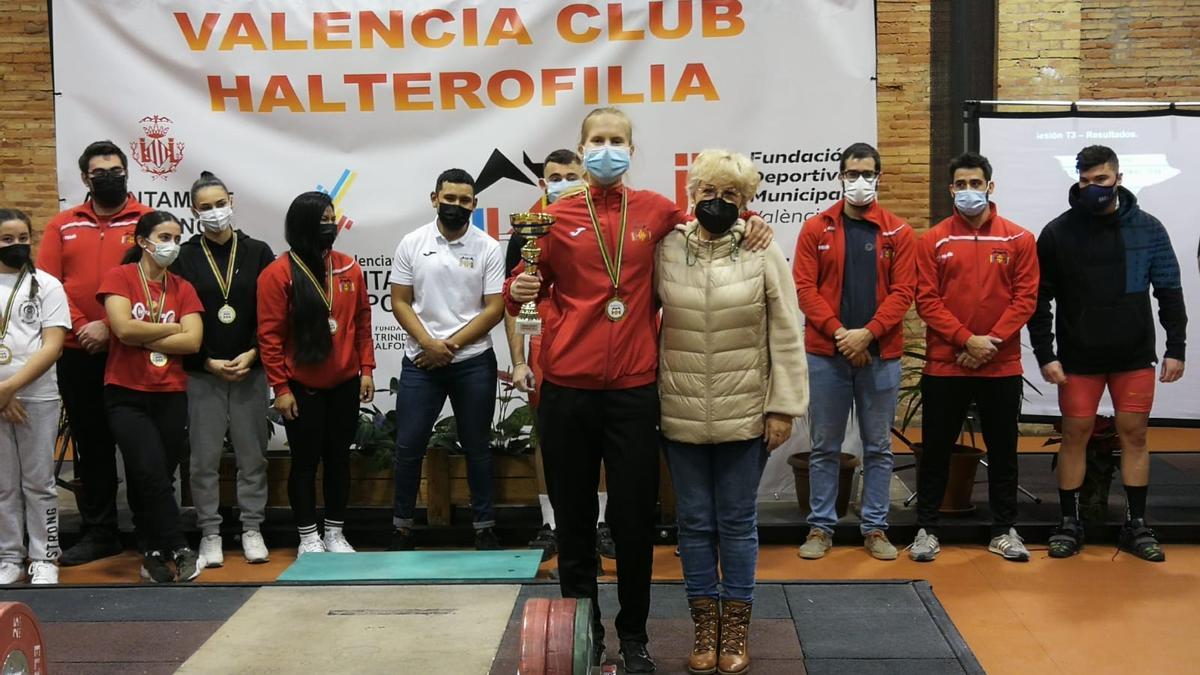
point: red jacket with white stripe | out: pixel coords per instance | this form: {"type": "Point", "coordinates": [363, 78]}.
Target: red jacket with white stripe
{"type": "Point", "coordinates": [79, 247]}
{"type": "Point", "coordinates": [975, 282]}
{"type": "Point", "coordinates": [353, 351]}
{"type": "Point", "coordinates": [819, 265]}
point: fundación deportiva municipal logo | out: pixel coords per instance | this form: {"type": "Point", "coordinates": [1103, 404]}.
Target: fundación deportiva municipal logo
{"type": "Point", "coordinates": [157, 152]}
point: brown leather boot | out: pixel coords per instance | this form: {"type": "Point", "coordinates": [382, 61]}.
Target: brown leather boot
{"type": "Point", "coordinates": [735, 629]}
{"type": "Point", "coordinates": [703, 660]}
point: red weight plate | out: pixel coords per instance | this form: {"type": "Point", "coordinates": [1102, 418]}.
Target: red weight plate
{"type": "Point", "coordinates": [20, 640]}
{"type": "Point", "coordinates": [560, 637]}
{"type": "Point", "coordinates": [533, 636]}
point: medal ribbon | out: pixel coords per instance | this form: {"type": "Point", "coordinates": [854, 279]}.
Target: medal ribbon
{"type": "Point", "coordinates": [224, 282]}
{"type": "Point", "coordinates": [326, 297]}
{"type": "Point", "coordinates": [12, 298]}
{"type": "Point", "coordinates": [613, 268]}
{"type": "Point", "coordinates": [162, 299]}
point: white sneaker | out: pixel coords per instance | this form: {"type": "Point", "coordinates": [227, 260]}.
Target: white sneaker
{"type": "Point", "coordinates": [335, 541]}
{"type": "Point", "coordinates": [43, 572]}
{"type": "Point", "coordinates": [211, 554]}
{"type": "Point", "coordinates": [254, 547]}
{"type": "Point", "coordinates": [310, 543]}
{"type": "Point", "coordinates": [925, 546]}
{"type": "Point", "coordinates": [1010, 546]}
{"type": "Point", "coordinates": [10, 573]}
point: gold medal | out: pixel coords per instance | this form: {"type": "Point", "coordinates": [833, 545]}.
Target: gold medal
{"type": "Point", "coordinates": [6, 354]}
{"type": "Point", "coordinates": [325, 293]}
{"type": "Point", "coordinates": [159, 359]}
{"type": "Point", "coordinates": [615, 309]}
{"type": "Point", "coordinates": [226, 314]}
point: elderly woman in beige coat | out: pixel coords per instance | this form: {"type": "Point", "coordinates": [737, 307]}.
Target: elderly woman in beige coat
{"type": "Point", "coordinates": [732, 376]}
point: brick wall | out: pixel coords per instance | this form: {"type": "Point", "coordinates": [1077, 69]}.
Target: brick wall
{"type": "Point", "coordinates": [27, 174]}
{"type": "Point", "coordinates": [902, 29]}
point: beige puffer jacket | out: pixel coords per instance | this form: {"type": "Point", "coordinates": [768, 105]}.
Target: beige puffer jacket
{"type": "Point", "coordinates": [732, 344]}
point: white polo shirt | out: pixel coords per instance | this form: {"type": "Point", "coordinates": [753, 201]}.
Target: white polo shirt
{"type": "Point", "coordinates": [24, 335]}
{"type": "Point", "coordinates": [449, 280]}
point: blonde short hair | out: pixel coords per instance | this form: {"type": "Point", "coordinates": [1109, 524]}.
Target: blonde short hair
{"type": "Point", "coordinates": [615, 112]}
{"type": "Point", "coordinates": [716, 166]}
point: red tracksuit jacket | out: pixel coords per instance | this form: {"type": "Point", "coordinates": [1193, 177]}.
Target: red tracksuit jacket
{"type": "Point", "coordinates": [581, 348]}
{"type": "Point", "coordinates": [353, 346]}
{"type": "Point", "coordinates": [818, 266]}
{"type": "Point", "coordinates": [975, 282]}
{"type": "Point", "coordinates": [79, 248]}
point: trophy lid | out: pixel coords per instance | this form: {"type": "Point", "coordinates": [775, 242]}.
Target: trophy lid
{"type": "Point", "coordinates": [530, 224]}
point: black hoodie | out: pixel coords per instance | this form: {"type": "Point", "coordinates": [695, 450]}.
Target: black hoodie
{"type": "Point", "coordinates": [1098, 270]}
{"type": "Point", "coordinates": [225, 341]}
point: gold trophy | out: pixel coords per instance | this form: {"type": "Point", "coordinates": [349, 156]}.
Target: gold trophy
{"type": "Point", "coordinates": [532, 226]}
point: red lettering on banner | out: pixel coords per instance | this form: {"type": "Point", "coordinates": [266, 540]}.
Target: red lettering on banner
{"type": "Point", "coordinates": [524, 88]}
{"type": "Point", "coordinates": [658, 26]}
{"type": "Point", "coordinates": [279, 38]}
{"type": "Point", "coordinates": [566, 23]}
{"type": "Point", "coordinates": [591, 85]}
{"type": "Point", "coordinates": [508, 26]}
{"type": "Point", "coordinates": [280, 94]}
{"type": "Point", "coordinates": [243, 31]}
{"type": "Point", "coordinates": [460, 85]}
{"type": "Point", "coordinates": [551, 84]}
{"type": "Point", "coordinates": [197, 41]}
{"type": "Point", "coordinates": [658, 83]}
{"type": "Point", "coordinates": [695, 82]}
{"type": "Point", "coordinates": [217, 93]}
{"type": "Point", "coordinates": [406, 85]}
{"type": "Point", "coordinates": [616, 95]}
{"type": "Point", "coordinates": [370, 25]}
{"type": "Point", "coordinates": [470, 19]}
{"type": "Point", "coordinates": [420, 28]}
{"type": "Point", "coordinates": [722, 18]}
{"type": "Point", "coordinates": [366, 88]}
{"type": "Point", "coordinates": [323, 28]}
{"type": "Point", "coordinates": [316, 97]}
{"type": "Point", "coordinates": [616, 26]}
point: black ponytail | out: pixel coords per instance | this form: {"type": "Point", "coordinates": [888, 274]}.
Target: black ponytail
{"type": "Point", "coordinates": [31, 271]}
{"type": "Point", "coordinates": [145, 225]}
{"type": "Point", "coordinates": [207, 179]}
{"type": "Point", "coordinates": [309, 315]}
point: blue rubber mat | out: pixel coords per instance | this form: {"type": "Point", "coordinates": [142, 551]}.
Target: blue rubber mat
{"type": "Point", "coordinates": [429, 566]}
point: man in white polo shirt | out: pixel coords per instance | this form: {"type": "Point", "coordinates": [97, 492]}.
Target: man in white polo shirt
{"type": "Point", "coordinates": [446, 282]}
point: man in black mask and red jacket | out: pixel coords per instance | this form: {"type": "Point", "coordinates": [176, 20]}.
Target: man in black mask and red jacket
{"type": "Point", "coordinates": [78, 247]}
{"type": "Point", "coordinates": [1098, 262]}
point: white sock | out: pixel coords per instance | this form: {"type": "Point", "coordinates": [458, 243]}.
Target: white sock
{"type": "Point", "coordinates": [547, 511]}
{"type": "Point", "coordinates": [602, 497]}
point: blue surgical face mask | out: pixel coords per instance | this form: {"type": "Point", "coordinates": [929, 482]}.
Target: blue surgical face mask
{"type": "Point", "coordinates": [1097, 198]}
{"type": "Point", "coordinates": [971, 202]}
{"type": "Point", "coordinates": [555, 188]}
{"type": "Point", "coordinates": [606, 163]}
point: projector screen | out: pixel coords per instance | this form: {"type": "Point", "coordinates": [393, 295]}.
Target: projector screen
{"type": "Point", "coordinates": [1033, 161]}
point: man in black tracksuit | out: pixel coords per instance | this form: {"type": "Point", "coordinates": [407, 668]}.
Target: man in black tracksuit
{"type": "Point", "coordinates": [1098, 262]}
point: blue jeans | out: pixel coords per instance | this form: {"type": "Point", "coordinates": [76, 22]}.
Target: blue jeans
{"type": "Point", "coordinates": [471, 386]}
{"type": "Point", "coordinates": [837, 387]}
{"type": "Point", "coordinates": [716, 491]}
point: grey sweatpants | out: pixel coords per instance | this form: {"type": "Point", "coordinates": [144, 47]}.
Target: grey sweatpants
{"type": "Point", "coordinates": [28, 494]}
{"type": "Point", "coordinates": [214, 407]}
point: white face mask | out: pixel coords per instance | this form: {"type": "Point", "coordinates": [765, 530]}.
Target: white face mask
{"type": "Point", "coordinates": [860, 192]}
{"type": "Point", "coordinates": [164, 253]}
{"type": "Point", "coordinates": [216, 220]}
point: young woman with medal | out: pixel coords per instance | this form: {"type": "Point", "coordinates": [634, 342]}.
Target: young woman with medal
{"type": "Point", "coordinates": [315, 343]}
{"type": "Point", "coordinates": [227, 389]}
{"type": "Point", "coordinates": [155, 320]}
{"type": "Point", "coordinates": [599, 360]}
{"type": "Point", "coordinates": [32, 331]}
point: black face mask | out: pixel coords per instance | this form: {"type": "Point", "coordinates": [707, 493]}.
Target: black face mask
{"type": "Point", "coordinates": [717, 215]}
{"type": "Point", "coordinates": [15, 256]}
{"type": "Point", "coordinates": [453, 216]}
{"type": "Point", "coordinates": [326, 234]}
{"type": "Point", "coordinates": [109, 191]}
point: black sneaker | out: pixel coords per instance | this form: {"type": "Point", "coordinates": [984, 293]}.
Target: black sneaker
{"type": "Point", "coordinates": [1067, 539]}
{"type": "Point", "coordinates": [605, 545]}
{"type": "Point", "coordinates": [547, 541]}
{"type": "Point", "coordinates": [93, 546]}
{"type": "Point", "coordinates": [1141, 541]}
{"type": "Point", "coordinates": [187, 564]}
{"type": "Point", "coordinates": [636, 658]}
{"type": "Point", "coordinates": [154, 568]}
{"type": "Point", "coordinates": [486, 540]}
{"type": "Point", "coordinates": [402, 540]}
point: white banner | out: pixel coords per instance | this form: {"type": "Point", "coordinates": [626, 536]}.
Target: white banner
{"type": "Point", "coordinates": [1033, 159]}
{"type": "Point", "coordinates": [370, 101]}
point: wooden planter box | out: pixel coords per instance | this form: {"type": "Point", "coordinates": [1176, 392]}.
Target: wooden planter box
{"type": "Point", "coordinates": [443, 482]}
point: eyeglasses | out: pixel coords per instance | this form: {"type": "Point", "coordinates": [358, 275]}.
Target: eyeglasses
{"type": "Point", "coordinates": [973, 184]}
{"type": "Point", "coordinates": [729, 194]}
{"type": "Point", "coordinates": [116, 172]}
{"type": "Point", "coordinates": [852, 175]}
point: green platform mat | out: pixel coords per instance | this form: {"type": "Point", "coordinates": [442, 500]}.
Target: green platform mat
{"type": "Point", "coordinates": [414, 566]}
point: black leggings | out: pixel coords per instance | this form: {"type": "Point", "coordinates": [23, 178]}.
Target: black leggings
{"type": "Point", "coordinates": [151, 430]}
{"type": "Point", "coordinates": [321, 432]}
